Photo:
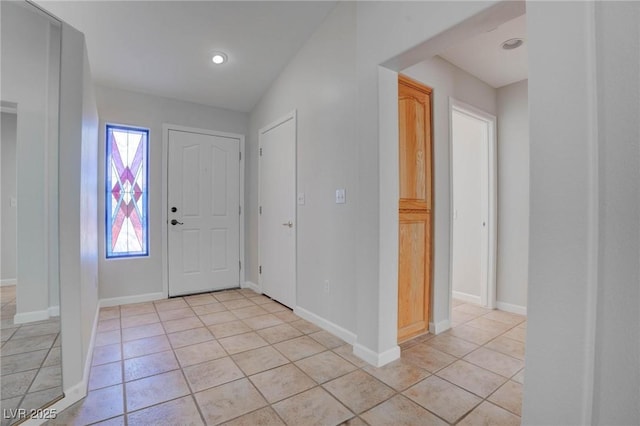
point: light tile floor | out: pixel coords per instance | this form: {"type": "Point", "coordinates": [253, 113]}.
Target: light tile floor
{"type": "Point", "coordinates": [239, 358]}
{"type": "Point", "coordinates": [31, 374]}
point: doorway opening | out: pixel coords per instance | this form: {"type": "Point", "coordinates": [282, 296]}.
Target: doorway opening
{"type": "Point", "coordinates": [473, 204]}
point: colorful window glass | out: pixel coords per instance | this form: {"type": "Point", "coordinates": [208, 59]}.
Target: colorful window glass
{"type": "Point", "coordinates": [126, 186]}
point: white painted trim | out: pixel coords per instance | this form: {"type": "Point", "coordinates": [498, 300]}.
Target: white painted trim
{"type": "Point", "coordinates": [78, 391]}
{"type": "Point", "coordinates": [325, 324]}
{"type": "Point", "coordinates": [26, 317]}
{"type": "Point", "coordinates": [374, 358]}
{"type": "Point", "coordinates": [293, 115]}
{"type": "Point", "coordinates": [439, 327]}
{"type": "Point", "coordinates": [8, 109]}
{"type": "Point", "coordinates": [593, 218]}
{"type": "Point", "coordinates": [488, 292]}
{"type": "Point", "coordinates": [71, 396]}
{"type": "Point", "coordinates": [253, 286]}
{"type": "Point", "coordinates": [165, 195]}
{"type": "Point", "coordinates": [514, 309]}
{"type": "Point", "coordinates": [8, 282]}
{"type": "Point", "coordinates": [54, 311]}
{"type": "Point", "coordinates": [388, 219]}
{"type": "Point", "coordinates": [465, 297]}
{"type": "Point", "coordinates": [126, 300]}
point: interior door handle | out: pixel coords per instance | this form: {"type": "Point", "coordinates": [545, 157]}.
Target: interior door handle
{"type": "Point", "coordinates": [174, 222]}
{"type": "Point", "coordinates": [289, 224]}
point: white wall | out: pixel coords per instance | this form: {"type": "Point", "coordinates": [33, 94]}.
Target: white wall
{"type": "Point", "coordinates": [28, 74]}
{"type": "Point", "coordinates": [78, 218]}
{"type": "Point", "coordinates": [143, 275]}
{"type": "Point", "coordinates": [617, 357]}
{"type": "Point", "coordinates": [9, 218]}
{"type": "Point", "coordinates": [513, 196]}
{"type": "Point", "coordinates": [583, 333]}
{"type": "Point", "coordinates": [320, 84]}
{"type": "Point", "coordinates": [447, 81]}
{"type": "Point", "coordinates": [386, 30]}
{"type": "Point", "coordinates": [344, 243]}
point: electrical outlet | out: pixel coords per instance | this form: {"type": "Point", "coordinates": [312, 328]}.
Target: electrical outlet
{"type": "Point", "coordinates": [326, 286]}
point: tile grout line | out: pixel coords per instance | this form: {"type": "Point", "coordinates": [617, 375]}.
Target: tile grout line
{"type": "Point", "coordinates": [326, 349]}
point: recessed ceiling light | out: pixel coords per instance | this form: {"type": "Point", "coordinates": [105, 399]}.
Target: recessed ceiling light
{"type": "Point", "coordinates": [218, 58]}
{"type": "Point", "coordinates": [512, 43]}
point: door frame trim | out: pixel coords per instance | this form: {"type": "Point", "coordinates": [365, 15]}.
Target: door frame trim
{"type": "Point", "coordinates": [488, 291]}
{"type": "Point", "coordinates": [166, 127]}
{"type": "Point", "coordinates": [293, 115]}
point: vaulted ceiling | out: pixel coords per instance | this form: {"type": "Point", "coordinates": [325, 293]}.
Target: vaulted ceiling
{"type": "Point", "coordinates": [164, 47]}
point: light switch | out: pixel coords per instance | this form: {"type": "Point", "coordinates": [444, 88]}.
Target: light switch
{"type": "Point", "coordinates": [301, 198]}
{"type": "Point", "coordinates": [341, 196]}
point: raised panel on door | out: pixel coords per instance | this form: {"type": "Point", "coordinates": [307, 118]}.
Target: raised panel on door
{"type": "Point", "coordinates": [413, 274]}
{"type": "Point", "coordinates": [414, 115]}
{"type": "Point", "coordinates": [414, 207]}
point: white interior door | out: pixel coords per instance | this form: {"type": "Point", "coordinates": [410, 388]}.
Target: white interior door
{"type": "Point", "coordinates": [277, 224]}
{"type": "Point", "coordinates": [469, 206]}
{"type": "Point", "coordinates": [203, 212]}
{"type": "Point", "coordinates": [473, 198]}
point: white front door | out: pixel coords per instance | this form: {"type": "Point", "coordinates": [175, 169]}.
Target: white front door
{"type": "Point", "coordinates": [203, 212]}
{"type": "Point", "coordinates": [277, 224]}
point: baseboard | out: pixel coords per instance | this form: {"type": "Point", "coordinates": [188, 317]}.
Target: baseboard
{"type": "Point", "coordinates": [71, 396]}
{"type": "Point", "coordinates": [8, 282]}
{"type": "Point", "coordinates": [465, 297]}
{"type": "Point", "coordinates": [253, 286]}
{"type": "Point", "coordinates": [332, 328]}
{"type": "Point", "coordinates": [25, 317]}
{"type": "Point", "coordinates": [54, 311]}
{"type": "Point", "coordinates": [439, 327]}
{"type": "Point", "coordinates": [78, 391]}
{"type": "Point", "coordinates": [514, 309]}
{"type": "Point", "coordinates": [127, 300]}
{"type": "Point", "coordinates": [375, 358]}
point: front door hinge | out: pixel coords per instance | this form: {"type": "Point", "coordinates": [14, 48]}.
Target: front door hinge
{"type": "Point", "coordinates": [260, 269]}
{"type": "Point", "coordinates": [240, 265]}
{"type": "Point", "coordinates": [240, 156]}
{"type": "Point", "coordinates": [260, 209]}
{"type": "Point", "coordinates": [260, 152]}
{"type": "Point", "coordinates": [239, 210]}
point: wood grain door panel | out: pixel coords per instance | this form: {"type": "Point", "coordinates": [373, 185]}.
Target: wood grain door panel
{"type": "Point", "coordinates": [414, 114]}
{"type": "Point", "coordinates": [414, 270]}
{"type": "Point", "coordinates": [415, 208]}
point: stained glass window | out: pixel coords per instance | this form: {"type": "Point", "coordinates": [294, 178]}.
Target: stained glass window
{"type": "Point", "coordinates": [126, 191]}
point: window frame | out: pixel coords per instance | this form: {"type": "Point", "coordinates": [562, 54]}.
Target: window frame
{"type": "Point", "coordinates": [109, 255]}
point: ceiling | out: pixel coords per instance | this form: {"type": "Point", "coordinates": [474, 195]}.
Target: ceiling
{"type": "Point", "coordinates": [163, 47]}
{"type": "Point", "coordinates": [483, 56]}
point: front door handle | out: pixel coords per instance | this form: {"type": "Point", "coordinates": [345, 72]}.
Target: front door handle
{"type": "Point", "coordinates": [289, 224]}
{"type": "Point", "coordinates": [174, 222]}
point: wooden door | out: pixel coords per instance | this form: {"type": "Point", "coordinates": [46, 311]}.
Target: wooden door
{"type": "Point", "coordinates": [415, 208]}
{"type": "Point", "coordinates": [204, 216]}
